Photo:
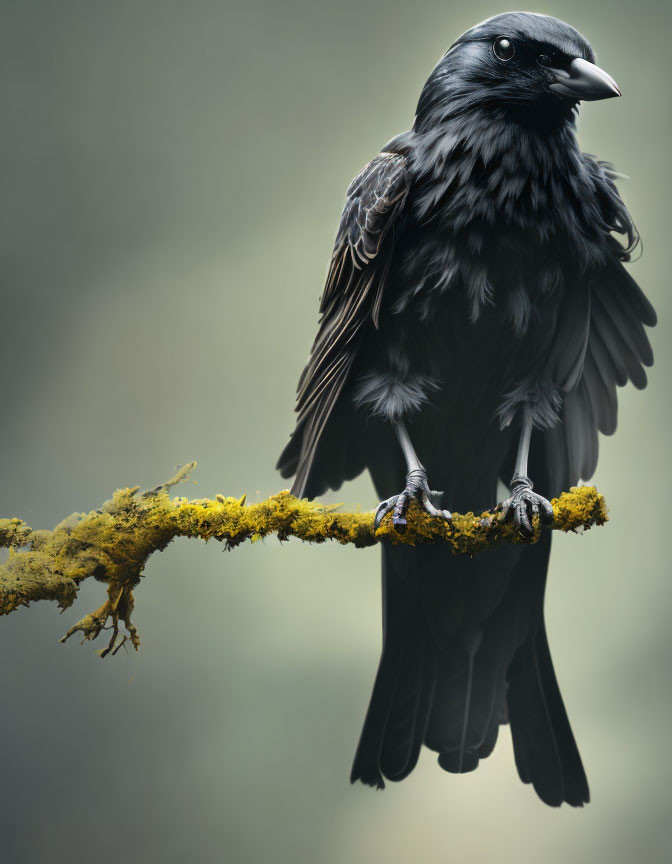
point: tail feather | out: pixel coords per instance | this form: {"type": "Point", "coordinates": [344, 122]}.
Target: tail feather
{"type": "Point", "coordinates": [544, 747]}
{"type": "Point", "coordinates": [398, 592]}
{"type": "Point", "coordinates": [410, 707]}
{"type": "Point", "coordinates": [532, 728]}
{"type": "Point", "coordinates": [452, 722]}
{"type": "Point", "coordinates": [575, 780]}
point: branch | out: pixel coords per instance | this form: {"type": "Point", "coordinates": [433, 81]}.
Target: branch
{"type": "Point", "coordinates": [114, 542]}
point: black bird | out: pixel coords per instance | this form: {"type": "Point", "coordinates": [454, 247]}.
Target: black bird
{"type": "Point", "coordinates": [477, 305]}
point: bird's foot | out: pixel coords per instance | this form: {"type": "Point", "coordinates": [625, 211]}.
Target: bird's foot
{"type": "Point", "coordinates": [417, 487]}
{"type": "Point", "coordinates": [524, 505]}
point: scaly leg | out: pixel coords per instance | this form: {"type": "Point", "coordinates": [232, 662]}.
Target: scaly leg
{"type": "Point", "coordinates": [417, 486]}
{"type": "Point", "coordinates": [524, 504]}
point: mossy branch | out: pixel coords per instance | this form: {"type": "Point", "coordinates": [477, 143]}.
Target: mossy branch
{"type": "Point", "coordinates": [114, 542]}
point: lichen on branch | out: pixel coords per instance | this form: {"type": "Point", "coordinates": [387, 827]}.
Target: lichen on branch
{"type": "Point", "coordinates": [114, 542]}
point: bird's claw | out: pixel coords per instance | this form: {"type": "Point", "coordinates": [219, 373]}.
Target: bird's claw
{"type": "Point", "coordinates": [417, 487]}
{"type": "Point", "coordinates": [524, 505]}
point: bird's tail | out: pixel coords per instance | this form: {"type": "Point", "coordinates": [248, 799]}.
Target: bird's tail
{"type": "Point", "coordinates": [464, 651]}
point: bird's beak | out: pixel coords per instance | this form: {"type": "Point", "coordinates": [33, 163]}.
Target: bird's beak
{"type": "Point", "coordinates": [584, 80]}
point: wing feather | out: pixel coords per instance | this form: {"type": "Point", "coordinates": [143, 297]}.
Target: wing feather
{"type": "Point", "coordinates": [352, 298]}
{"type": "Point", "coordinates": [609, 348]}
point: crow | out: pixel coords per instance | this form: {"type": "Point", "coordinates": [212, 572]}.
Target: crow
{"type": "Point", "coordinates": [476, 320]}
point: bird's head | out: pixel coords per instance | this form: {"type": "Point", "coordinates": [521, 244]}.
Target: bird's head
{"type": "Point", "coordinates": [527, 63]}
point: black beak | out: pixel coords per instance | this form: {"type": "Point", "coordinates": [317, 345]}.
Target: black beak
{"type": "Point", "coordinates": [585, 81]}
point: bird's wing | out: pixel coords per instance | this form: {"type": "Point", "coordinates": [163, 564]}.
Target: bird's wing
{"type": "Point", "coordinates": [352, 297]}
{"type": "Point", "coordinates": [605, 345]}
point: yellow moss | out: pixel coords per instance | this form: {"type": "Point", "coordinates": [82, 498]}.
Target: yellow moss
{"type": "Point", "coordinates": [14, 532]}
{"type": "Point", "coordinates": [114, 542]}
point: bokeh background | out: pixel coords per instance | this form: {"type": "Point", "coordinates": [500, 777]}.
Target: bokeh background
{"type": "Point", "coordinates": [173, 174]}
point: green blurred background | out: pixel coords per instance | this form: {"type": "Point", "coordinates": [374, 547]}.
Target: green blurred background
{"type": "Point", "coordinates": [173, 177]}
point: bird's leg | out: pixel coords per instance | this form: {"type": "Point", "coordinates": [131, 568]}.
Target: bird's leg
{"type": "Point", "coordinates": [524, 504]}
{"type": "Point", "coordinates": [417, 486]}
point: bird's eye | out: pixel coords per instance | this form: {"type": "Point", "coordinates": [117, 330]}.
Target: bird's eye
{"type": "Point", "coordinates": [503, 48]}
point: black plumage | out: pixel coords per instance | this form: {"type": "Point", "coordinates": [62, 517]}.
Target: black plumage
{"type": "Point", "coordinates": [477, 292]}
